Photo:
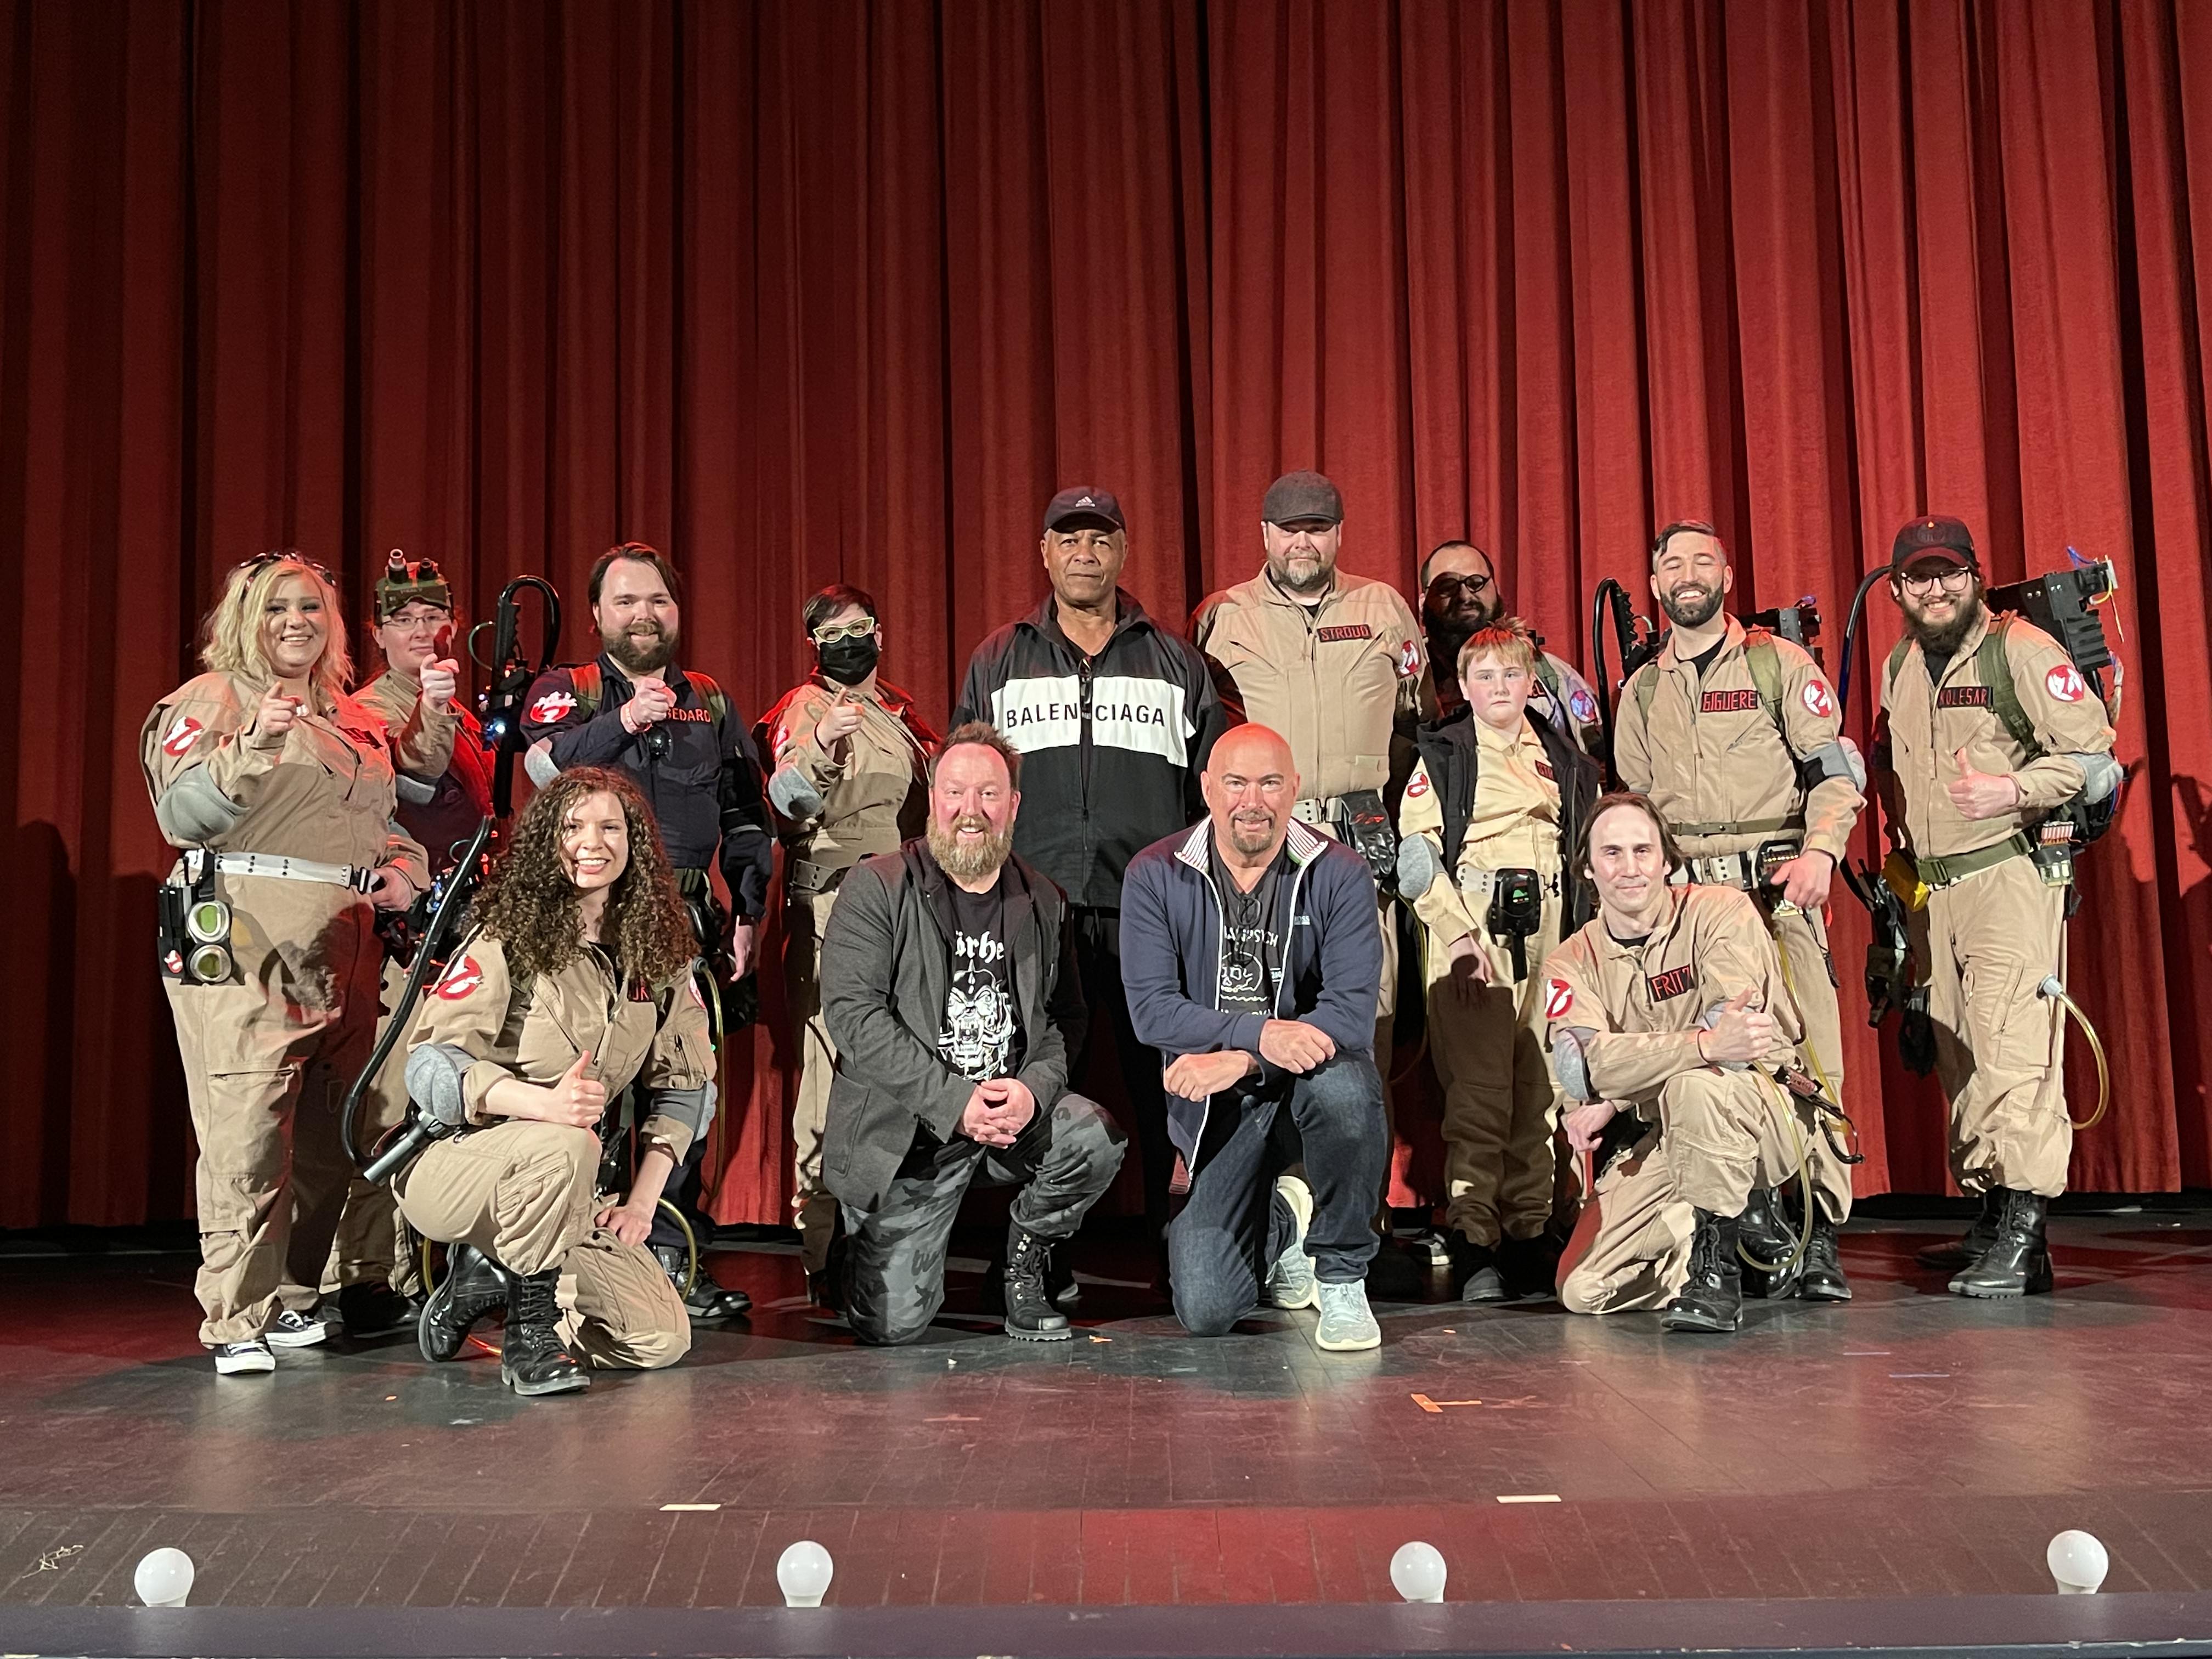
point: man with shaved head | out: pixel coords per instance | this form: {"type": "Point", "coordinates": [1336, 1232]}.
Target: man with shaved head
{"type": "Point", "coordinates": [1250, 957]}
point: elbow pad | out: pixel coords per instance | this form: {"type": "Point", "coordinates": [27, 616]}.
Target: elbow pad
{"type": "Point", "coordinates": [692, 1108]}
{"type": "Point", "coordinates": [413, 790]}
{"type": "Point", "coordinates": [2100, 775]}
{"type": "Point", "coordinates": [435, 1073]}
{"type": "Point", "coordinates": [1570, 1063]}
{"type": "Point", "coordinates": [1839, 759]}
{"type": "Point", "coordinates": [538, 761]}
{"type": "Point", "coordinates": [791, 794]}
{"type": "Point", "coordinates": [192, 810]}
{"type": "Point", "coordinates": [1419, 866]}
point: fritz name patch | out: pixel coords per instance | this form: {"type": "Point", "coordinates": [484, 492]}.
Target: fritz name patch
{"type": "Point", "coordinates": [1673, 983]}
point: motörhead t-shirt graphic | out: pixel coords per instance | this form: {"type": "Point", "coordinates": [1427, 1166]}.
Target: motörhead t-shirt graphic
{"type": "Point", "coordinates": [1251, 947]}
{"type": "Point", "coordinates": [981, 1035]}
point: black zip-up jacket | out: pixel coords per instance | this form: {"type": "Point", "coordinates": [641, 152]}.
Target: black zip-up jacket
{"type": "Point", "coordinates": [705, 789]}
{"type": "Point", "coordinates": [1449, 749]}
{"type": "Point", "coordinates": [1112, 745]}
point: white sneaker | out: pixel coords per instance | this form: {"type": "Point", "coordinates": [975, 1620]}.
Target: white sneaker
{"type": "Point", "coordinates": [1347, 1324]}
{"type": "Point", "coordinates": [296, 1330]}
{"type": "Point", "coordinates": [231, 1358]}
{"type": "Point", "coordinates": [1291, 1281]}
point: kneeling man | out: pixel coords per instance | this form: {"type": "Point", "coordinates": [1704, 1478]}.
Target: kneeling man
{"type": "Point", "coordinates": [1674, 1040]}
{"type": "Point", "coordinates": [1250, 957]}
{"type": "Point", "coordinates": [949, 989]}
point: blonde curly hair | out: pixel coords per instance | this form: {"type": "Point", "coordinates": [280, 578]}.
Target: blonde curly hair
{"type": "Point", "coordinates": [230, 634]}
{"type": "Point", "coordinates": [530, 904]}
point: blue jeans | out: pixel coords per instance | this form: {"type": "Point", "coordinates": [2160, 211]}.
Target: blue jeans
{"type": "Point", "coordinates": [1236, 1224]}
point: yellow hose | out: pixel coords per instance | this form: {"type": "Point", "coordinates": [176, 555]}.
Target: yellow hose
{"type": "Point", "coordinates": [2050, 987]}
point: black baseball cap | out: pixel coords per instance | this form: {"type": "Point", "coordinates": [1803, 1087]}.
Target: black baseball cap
{"type": "Point", "coordinates": [1084, 501]}
{"type": "Point", "coordinates": [1297, 495]}
{"type": "Point", "coordinates": [1935, 536]}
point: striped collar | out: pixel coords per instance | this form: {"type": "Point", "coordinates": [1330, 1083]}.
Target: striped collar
{"type": "Point", "coordinates": [1303, 844]}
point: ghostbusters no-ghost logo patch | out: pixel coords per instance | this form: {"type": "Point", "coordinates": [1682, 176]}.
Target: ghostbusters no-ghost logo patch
{"type": "Point", "coordinates": [691, 984]}
{"type": "Point", "coordinates": [2065, 682]}
{"type": "Point", "coordinates": [1418, 785]}
{"type": "Point", "coordinates": [1409, 661]}
{"type": "Point", "coordinates": [461, 979]}
{"type": "Point", "coordinates": [1582, 706]}
{"type": "Point", "coordinates": [1559, 996]}
{"type": "Point", "coordinates": [553, 705]}
{"type": "Point", "coordinates": [181, 736]}
{"type": "Point", "coordinates": [1816, 699]}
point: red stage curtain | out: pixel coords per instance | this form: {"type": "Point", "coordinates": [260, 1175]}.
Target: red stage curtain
{"type": "Point", "coordinates": [803, 292]}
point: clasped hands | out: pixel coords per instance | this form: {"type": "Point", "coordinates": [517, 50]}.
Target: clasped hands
{"type": "Point", "coordinates": [1292, 1045]}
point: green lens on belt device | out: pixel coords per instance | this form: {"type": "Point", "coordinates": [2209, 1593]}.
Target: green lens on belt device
{"type": "Point", "coordinates": [194, 937]}
{"type": "Point", "coordinates": [1517, 912]}
{"type": "Point", "coordinates": [208, 922]}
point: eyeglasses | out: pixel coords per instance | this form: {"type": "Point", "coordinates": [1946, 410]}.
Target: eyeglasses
{"type": "Point", "coordinates": [1450, 582]}
{"type": "Point", "coordinates": [1954, 579]}
{"type": "Point", "coordinates": [417, 622]}
{"type": "Point", "coordinates": [859, 629]}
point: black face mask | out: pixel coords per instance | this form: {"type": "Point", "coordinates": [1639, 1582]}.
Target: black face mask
{"type": "Point", "coordinates": [850, 661]}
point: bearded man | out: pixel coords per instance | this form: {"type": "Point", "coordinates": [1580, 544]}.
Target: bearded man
{"type": "Point", "coordinates": [951, 989]}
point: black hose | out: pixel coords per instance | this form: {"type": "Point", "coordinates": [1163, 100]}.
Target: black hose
{"type": "Point", "coordinates": [1851, 639]}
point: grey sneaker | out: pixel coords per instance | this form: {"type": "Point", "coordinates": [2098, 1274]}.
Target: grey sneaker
{"type": "Point", "coordinates": [1347, 1325]}
{"type": "Point", "coordinates": [1290, 1282]}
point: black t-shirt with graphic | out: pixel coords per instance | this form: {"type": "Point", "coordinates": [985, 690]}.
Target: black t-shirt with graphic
{"type": "Point", "coordinates": [980, 1037]}
{"type": "Point", "coordinates": [1251, 945]}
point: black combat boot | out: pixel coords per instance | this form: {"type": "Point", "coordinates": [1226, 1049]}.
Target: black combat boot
{"type": "Point", "coordinates": [374, 1309]}
{"type": "Point", "coordinates": [2018, 1261]}
{"type": "Point", "coordinates": [474, 1286]}
{"type": "Point", "coordinates": [707, 1301]}
{"type": "Point", "coordinates": [1964, 1252]}
{"type": "Point", "coordinates": [1822, 1278]}
{"type": "Point", "coordinates": [1530, 1267]}
{"type": "Point", "coordinates": [1711, 1298]}
{"type": "Point", "coordinates": [1029, 1313]}
{"type": "Point", "coordinates": [1475, 1267]}
{"type": "Point", "coordinates": [532, 1360]}
{"type": "Point", "coordinates": [1766, 1235]}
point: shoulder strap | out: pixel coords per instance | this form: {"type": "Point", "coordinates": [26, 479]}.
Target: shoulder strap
{"type": "Point", "coordinates": [586, 682]}
{"type": "Point", "coordinates": [1547, 675]}
{"type": "Point", "coordinates": [1994, 669]}
{"type": "Point", "coordinates": [1896, 661]}
{"type": "Point", "coordinates": [1646, 687]}
{"type": "Point", "coordinates": [711, 694]}
{"type": "Point", "coordinates": [1765, 664]}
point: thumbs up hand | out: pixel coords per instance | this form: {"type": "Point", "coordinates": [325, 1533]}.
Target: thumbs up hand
{"type": "Point", "coordinates": [440, 680]}
{"type": "Point", "coordinates": [1983, 794]}
{"type": "Point", "coordinates": [576, 1100]}
{"type": "Point", "coordinates": [1739, 1032]}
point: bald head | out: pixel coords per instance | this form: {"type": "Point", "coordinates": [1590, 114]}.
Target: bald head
{"type": "Point", "coordinates": [1251, 785]}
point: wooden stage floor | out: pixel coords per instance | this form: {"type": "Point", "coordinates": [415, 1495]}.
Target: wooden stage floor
{"type": "Point", "coordinates": [1912, 1444]}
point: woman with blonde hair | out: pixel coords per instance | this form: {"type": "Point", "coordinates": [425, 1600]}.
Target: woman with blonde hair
{"type": "Point", "coordinates": [279, 789]}
{"type": "Point", "coordinates": [575, 982]}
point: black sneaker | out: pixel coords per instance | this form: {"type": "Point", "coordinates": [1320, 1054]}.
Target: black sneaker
{"type": "Point", "coordinates": [241, 1358]}
{"type": "Point", "coordinates": [375, 1308]}
{"type": "Point", "coordinates": [706, 1302]}
{"type": "Point", "coordinates": [296, 1330]}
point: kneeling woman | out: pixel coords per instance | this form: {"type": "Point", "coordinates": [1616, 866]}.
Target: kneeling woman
{"type": "Point", "coordinates": [574, 981]}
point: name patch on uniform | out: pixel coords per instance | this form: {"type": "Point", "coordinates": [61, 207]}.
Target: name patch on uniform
{"type": "Point", "coordinates": [639, 991]}
{"type": "Point", "coordinates": [553, 705]}
{"type": "Point", "coordinates": [1963, 696]}
{"type": "Point", "coordinates": [1543, 771]}
{"type": "Point", "coordinates": [1727, 702]}
{"type": "Point", "coordinates": [1674, 982]}
{"type": "Point", "coordinates": [688, 714]}
{"type": "Point", "coordinates": [1342, 631]}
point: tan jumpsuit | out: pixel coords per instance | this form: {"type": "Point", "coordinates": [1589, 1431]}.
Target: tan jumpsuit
{"type": "Point", "coordinates": [1715, 1133]}
{"type": "Point", "coordinates": [269, 1055]}
{"type": "Point", "coordinates": [522, 1191]}
{"type": "Point", "coordinates": [1725, 775]}
{"type": "Point", "coordinates": [873, 794]}
{"type": "Point", "coordinates": [1991, 938]}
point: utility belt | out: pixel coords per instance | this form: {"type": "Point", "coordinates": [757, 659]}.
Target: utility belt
{"type": "Point", "coordinates": [803, 878]}
{"type": "Point", "coordinates": [1750, 871]}
{"type": "Point", "coordinates": [1361, 822]}
{"type": "Point", "coordinates": [193, 938]}
{"type": "Point", "coordinates": [2050, 845]}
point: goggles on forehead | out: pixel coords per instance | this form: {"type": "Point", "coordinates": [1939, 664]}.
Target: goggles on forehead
{"type": "Point", "coordinates": [260, 561]}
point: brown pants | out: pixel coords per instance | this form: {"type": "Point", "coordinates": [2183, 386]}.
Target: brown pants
{"type": "Point", "coordinates": [805, 917]}
{"type": "Point", "coordinates": [521, 1192]}
{"type": "Point", "coordinates": [1800, 938]}
{"type": "Point", "coordinates": [1720, 1134]}
{"type": "Point", "coordinates": [1501, 1107]}
{"type": "Point", "coordinates": [371, 1247]}
{"type": "Point", "coordinates": [268, 1058]}
{"type": "Point", "coordinates": [1992, 939]}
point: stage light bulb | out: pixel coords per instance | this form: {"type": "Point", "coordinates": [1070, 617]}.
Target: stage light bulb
{"type": "Point", "coordinates": [1416, 1572]}
{"type": "Point", "coordinates": [164, 1578]}
{"type": "Point", "coordinates": [2078, 1563]}
{"type": "Point", "coordinates": [803, 1573]}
